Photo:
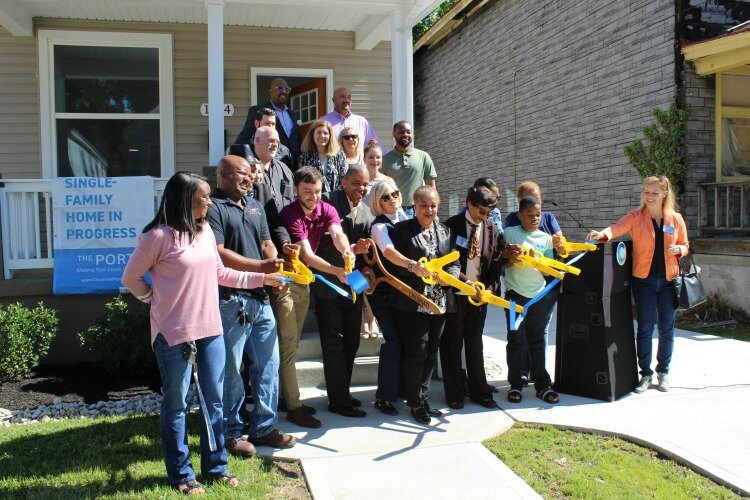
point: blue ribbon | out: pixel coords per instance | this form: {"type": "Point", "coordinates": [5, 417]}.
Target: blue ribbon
{"type": "Point", "coordinates": [515, 321]}
{"type": "Point", "coordinates": [335, 288]}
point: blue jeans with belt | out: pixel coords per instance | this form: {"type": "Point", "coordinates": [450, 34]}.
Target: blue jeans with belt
{"type": "Point", "coordinates": [176, 375]}
{"type": "Point", "coordinates": [654, 304]}
{"type": "Point", "coordinates": [255, 334]}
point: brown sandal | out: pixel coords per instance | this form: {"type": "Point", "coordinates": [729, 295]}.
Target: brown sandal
{"type": "Point", "coordinates": [515, 396]}
{"type": "Point", "coordinates": [548, 396]}
{"type": "Point", "coordinates": [191, 487]}
{"type": "Point", "coordinates": [227, 479]}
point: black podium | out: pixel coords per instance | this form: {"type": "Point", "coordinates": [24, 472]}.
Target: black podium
{"type": "Point", "coordinates": [595, 346]}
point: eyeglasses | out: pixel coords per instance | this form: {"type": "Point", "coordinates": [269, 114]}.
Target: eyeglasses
{"type": "Point", "coordinates": [484, 212]}
{"type": "Point", "coordinates": [283, 89]}
{"type": "Point", "coordinates": [350, 137]}
{"type": "Point", "coordinates": [388, 196]}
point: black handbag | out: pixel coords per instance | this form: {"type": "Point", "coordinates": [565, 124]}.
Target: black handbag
{"type": "Point", "coordinates": [688, 287]}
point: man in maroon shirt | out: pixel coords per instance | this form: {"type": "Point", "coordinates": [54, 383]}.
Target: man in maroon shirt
{"type": "Point", "coordinates": [307, 219]}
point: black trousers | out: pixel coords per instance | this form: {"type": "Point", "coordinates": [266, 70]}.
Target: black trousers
{"type": "Point", "coordinates": [463, 329]}
{"type": "Point", "coordinates": [339, 323]}
{"type": "Point", "coordinates": [532, 330]}
{"type": "Point", "coordinates": [420, 340]}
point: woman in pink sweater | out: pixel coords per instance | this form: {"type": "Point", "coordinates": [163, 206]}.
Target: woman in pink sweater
{"type": "Point", "coordinates": [659, 240]}
{"type": "Point", "coordinates": [178, 249]}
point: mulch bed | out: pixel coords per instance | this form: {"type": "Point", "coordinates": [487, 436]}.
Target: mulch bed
{"type": "Point", "coordinates": [85, 382]}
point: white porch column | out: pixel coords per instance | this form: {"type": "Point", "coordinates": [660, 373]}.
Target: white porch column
{"type": "Point", "coordinates": [402, 68]}
{"type": "Point", "coordinates": [215, 18]}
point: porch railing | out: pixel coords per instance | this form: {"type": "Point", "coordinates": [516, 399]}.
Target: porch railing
{"type": "Point", "coordinates": [723, 207]}
{"type": "Point", "coordinates": [26, 222]}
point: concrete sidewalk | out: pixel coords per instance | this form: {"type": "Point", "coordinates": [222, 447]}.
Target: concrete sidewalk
{"type": "Point", "coordinates": [703, 421]}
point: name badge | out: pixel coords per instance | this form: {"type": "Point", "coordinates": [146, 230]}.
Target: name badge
{"type": "Point", "coordinates": [462, 242]}
{"type": "Point", "coordinates": [669, 229]}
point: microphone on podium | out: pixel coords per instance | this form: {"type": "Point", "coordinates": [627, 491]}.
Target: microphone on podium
{"type": "Point", "coordinates": [557, 205]}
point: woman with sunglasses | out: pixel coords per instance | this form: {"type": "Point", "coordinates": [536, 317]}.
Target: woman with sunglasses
{"type": "Point", "coordinates": [422, 236]}
{"type": "Point", "coordinates": [385, 205]}
{"type": "Point", "coordinates": [320, 150]}
{"type": "Point", "coordinates": [659, 240]}
{"type": "Point", "coordinates": [351, 145]}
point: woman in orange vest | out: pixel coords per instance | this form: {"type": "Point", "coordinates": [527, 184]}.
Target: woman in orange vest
{"type": "Point", "coordinates": [659, 240]}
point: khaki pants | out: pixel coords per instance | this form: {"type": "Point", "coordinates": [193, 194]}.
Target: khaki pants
{"type": "Point", "coordinates": [290, 309]}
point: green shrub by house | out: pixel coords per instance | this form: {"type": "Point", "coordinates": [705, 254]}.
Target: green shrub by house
{"type": "Point", "coordinates": [120, 340]}
{"type": "Point", "coordinates": [25, 337]}
{"type": "Point", "coordinates": [664, 151]}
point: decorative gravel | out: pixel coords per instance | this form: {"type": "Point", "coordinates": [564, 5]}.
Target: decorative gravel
{"type": "Point", "coordinates": [59, 409]}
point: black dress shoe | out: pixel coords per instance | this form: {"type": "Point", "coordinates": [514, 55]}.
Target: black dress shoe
{"type": "Point", "coordinates": [346, 410]}
{"type": "Point", "coordinates": [456, 405]}
{"type": "Point", "coordinates": [385, 407]}
{"type": "Point", "coordinates": [432, 411]}
{"type": "Point", "coordinates": [354, 401]}
{"type": "Point", "coordinates": [487, 403]}
{"type": "Point", "coordinates": [420, 415]}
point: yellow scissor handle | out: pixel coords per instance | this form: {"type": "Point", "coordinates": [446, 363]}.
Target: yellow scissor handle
{"type": "Point", "coordinates": [435, 266]}
{"type": "Point", "coordinates": [528, 258]}
{"type": "Point", "coordinates": [348, 269]}
{"type": "Point", "coordinates": [482, 290]}
{"type": "Point", "coordinates": [566, 247]}
{"type": "Point", "coordinates": [555, 264]}
{"type": "Point", "coordinates": [300, 273]}
{"type": "Point", "coordinates": [500, 302]}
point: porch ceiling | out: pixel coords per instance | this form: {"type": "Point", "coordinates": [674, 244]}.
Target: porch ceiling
{"type": "Point", "coordinates": [366, 18]}
{"type": "Point", "coordinates": [724, 54]}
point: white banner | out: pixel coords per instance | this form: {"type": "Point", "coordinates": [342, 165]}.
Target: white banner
{"type": "Point", "coordinates": [97, 221]}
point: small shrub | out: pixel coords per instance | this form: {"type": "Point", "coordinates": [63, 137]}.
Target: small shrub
{"type": "Point", "coordinates": [664, 151]}
{"type": "Point", "coordinates": [120, 340]}
{"type": "Point", "coordinates": [25, 337]}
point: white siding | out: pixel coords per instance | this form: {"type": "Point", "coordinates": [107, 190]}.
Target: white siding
{"type": "Point", "coordinates": [19, 107]}
{"type": "Point", "coordinates": [366, 73]}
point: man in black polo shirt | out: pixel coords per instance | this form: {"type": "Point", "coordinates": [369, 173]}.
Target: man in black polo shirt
{"type": "Point", "coordinates": [244, 243]}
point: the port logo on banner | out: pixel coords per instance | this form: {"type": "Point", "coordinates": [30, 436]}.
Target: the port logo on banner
{"type": "Point", "coordinates": [97, 221]}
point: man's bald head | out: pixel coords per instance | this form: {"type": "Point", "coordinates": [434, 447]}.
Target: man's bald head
{"type": "Point", "coordinates": [232, 176]}
{"type": "Point", "coordinates": [342, 100]}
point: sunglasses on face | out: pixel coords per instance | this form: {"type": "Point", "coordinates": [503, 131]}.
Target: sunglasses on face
{"type": "Point", "coordinates": [484, 212]}
{"type": "Point", "coordinates": [387, 196]}
{"type": "Point", "coordinates": [350, 137]}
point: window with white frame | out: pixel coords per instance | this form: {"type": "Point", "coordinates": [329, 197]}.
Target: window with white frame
{"type": "Point", "coordinates": [305, 106]}
{"type": "Point", "coordinates": [107, 104]}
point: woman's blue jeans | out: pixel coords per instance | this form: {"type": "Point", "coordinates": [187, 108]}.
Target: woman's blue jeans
{"type": "Point", "coordinates": [654, 304]}
{"type": "Point", "coordinates": [176, 374]}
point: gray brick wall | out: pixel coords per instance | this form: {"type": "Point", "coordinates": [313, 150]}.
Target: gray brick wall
{"type": "Point", "coordinates": [550, 92]}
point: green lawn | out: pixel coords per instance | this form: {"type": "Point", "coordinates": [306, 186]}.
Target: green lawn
{"type": "Point", "coordinates": [565, 464]}
{"type": "Point", "coordinates": [119, 457]}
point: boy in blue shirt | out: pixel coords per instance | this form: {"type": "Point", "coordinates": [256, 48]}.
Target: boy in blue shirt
{"type": "Point", "coordinates": [523, 285]}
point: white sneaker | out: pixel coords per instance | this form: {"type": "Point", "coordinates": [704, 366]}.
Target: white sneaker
{"type": "Point", "coordinates": [643, 384]}
{"type": "Point", "coordinates": [663, 380]}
